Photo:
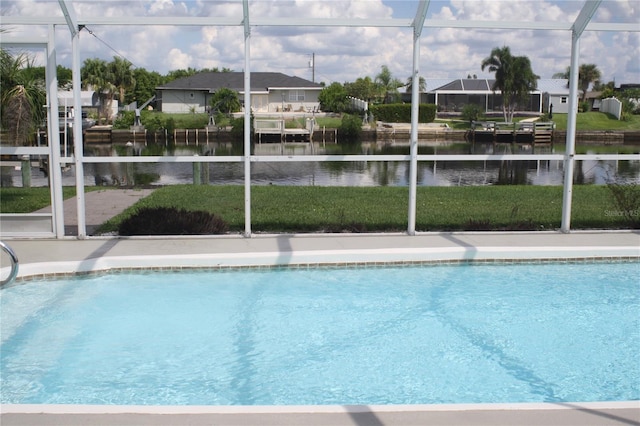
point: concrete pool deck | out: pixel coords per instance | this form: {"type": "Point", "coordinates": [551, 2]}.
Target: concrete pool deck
{"type": "Point", "coordinates": [47, 256]}
{"type": "Point", "coordinates": [593, 414]}
{"type": "Point", "coordinates": [42, 257]}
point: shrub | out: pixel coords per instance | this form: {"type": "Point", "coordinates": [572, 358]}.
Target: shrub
{"type": "Point", "coordinates": [584, 106]}
{"type": "Point", "coordinates": [351, 128]}
{"type": "Point", "coordinates": [172, 221]}
{"type": "Point", "coordinates": [124, 120]}
{"type": "Point", "coordinates": [401, 113]}
{"type": "Point", "coordinates": [471, 112]}
{"type": "Point", "coordinates": [237, 129]}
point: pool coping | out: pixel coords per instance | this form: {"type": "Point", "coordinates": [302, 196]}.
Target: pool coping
{"type": "Point", "coordinates": [585, 413]}
{"type": "Point", "coordinates": [53, 258]}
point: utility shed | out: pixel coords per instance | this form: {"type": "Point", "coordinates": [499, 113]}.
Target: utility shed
{"type": "Point", "coordinates": [555, 92]}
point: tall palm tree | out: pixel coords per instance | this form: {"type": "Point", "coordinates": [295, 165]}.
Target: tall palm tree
{"type": "Point", "coordinates": [388, 84]}
{"type": "Point", "coordinates": [95, 75]}
{"type": "Point", "coordinates": [514, 78]}
{"type": "Point", "coordinates": [587, 74]}
{"type": "Point", "coordinates": [121, 75]}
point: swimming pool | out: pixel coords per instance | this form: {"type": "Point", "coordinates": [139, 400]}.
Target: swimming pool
{"type": "Point", "coordinates": [411, 335]}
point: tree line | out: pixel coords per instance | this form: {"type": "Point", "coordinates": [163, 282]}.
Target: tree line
{"type": "Point", "coordinates": [23, 86]}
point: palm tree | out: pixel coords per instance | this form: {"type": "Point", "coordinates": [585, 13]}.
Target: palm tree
{"type": "Point", "coordinates": [514, 78]}
{"type": "Point", "coordinates": [422, 84]}
{"type": "Point", "coordinates": [587, 74]}
{"type": "Point", "coordinates": [225, 100]}
{"type": "Point", "coordinates": [388, 84]}
{"type": "Point", "coordinates": [95, 75]}
{"type": "Point", "coordinates": [121, 75]}
{"type": "Point", "coordinates": [23, 97]}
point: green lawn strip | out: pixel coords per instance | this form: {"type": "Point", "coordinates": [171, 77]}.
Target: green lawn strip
{"type": "Point", "coordinates": [597, 121]}
{"type": "Point", "coordinates": [27, 200]}
{"type": "Point", "coordinates": [372, 209]}
{"type": "Point", "coordinates": [490, 207]}
{"type": "Point", "coordinates": [585, 121]}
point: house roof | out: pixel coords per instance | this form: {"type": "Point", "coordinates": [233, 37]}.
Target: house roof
{"type": "Point", "coordinates": [556, 86]}
{"type": "Point", "coordinates": [468, 85]}
{"type": "Point", "coordinates": [260, 81]}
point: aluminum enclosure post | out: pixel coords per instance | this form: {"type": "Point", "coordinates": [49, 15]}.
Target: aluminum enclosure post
{"type": "Point", "coordinates": [418, 24]}
{"type": "Point", "coordinates": [54, 136]}
{"type": "Point", "coordinates": [579, 25]}
{"type": "Point", "coordinates": [413, 154]}
{"type": "Point", "coordinates": [570, 150]}
{"type": "Point", "coordinates": [78, 140]}
{"type": "Point", "coordinates": [247, 121]}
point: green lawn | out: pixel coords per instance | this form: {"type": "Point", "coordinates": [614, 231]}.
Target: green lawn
{"type": "Point", "coordinates": [376, 209]}
{"type": "Point", "coordinates": [27, 200]}
{"type": "Point", "coordinates": [369, 209]}
{"type": "Point", "coordinates": [586, 121]}
{"type": "Point", "coordinates": [598, 121]}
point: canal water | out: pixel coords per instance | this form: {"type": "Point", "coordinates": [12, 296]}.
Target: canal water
{"type": "Point", "coordinates": [357, 173]}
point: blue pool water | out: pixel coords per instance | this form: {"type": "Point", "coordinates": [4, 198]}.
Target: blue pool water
{"type": "Point", "coordinates": [406, 335]}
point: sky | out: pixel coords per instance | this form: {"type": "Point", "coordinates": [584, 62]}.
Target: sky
{"type": "Point", "coordinates": [344, 54]}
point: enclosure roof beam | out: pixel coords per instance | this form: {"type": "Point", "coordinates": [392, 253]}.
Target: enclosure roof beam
{"type": "Point", "coordinates": [588, 10]}
{"type": "Point", "coordinates": [25, 42]}
{"type": "Point", "coordinates": [125, 20]}
{"type": "Point", "coordinates": [245, 17]}
{"type": "Point", "coordinates": [612, 26]}
{"type": "Point", "coordinates": [421, 15]}
{"type": "Point", "coordinates": [70, 17]}
{"type": "Point", "coordinates": [320, 22]}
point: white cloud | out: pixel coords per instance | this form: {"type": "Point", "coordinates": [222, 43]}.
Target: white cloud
{"type": "Point", "coordinates": [176, 59]}
{"type": "Point", "coordinates": [345, 53]}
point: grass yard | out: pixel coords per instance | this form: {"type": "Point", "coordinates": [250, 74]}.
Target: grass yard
{"type": "Point", "coordinates": [27, 200]}
{"type": "Point", "coordinates": [598, 121]}
{"type": "Point", "coordinates": [384, 209]}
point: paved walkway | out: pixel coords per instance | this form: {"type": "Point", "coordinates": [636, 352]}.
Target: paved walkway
{"type": "Point", "coordinates": [100, 206]}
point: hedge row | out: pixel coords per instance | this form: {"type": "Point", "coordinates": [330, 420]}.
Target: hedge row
{"type": "Point", "coordinates": [401, 113]}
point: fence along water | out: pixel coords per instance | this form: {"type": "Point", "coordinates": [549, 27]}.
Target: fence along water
{"type": "Point", "coordinates": [612, 106]}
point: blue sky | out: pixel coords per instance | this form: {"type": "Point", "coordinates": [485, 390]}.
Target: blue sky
{"type": "Point", "coordinates": [344, 54]}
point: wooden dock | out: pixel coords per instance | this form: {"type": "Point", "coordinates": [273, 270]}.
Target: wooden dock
{"type": "Point", "coordinates": [270, 130]}
{"type": "Point", "coordinates": [524, 132]}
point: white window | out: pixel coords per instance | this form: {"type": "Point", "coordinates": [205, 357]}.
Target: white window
{"type": "Point", "coordinates": [563, 100]}
{"type": "Point", "coordinates": [296, 95]}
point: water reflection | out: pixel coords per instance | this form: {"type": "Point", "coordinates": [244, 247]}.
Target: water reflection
{"type": "Point", "coordinates": [356, 173]}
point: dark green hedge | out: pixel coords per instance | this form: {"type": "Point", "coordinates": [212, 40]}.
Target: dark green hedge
{"type": "Point", "coordinates": [401, 113]}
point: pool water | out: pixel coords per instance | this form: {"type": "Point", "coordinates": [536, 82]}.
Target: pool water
{"type": "Point", "coordinates": [396, 335]}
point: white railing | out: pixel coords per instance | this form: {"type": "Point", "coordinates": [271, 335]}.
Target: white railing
{"type": "Point", "coordinates": [15, 264]}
